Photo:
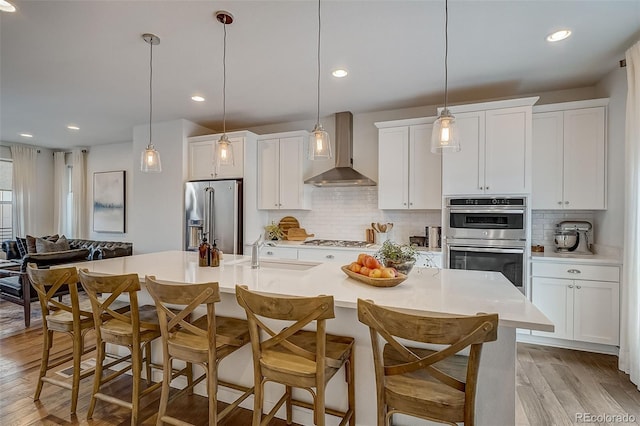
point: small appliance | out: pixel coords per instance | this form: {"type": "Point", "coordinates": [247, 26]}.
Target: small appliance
{"type": "Point", "coordinates": [573, 236]}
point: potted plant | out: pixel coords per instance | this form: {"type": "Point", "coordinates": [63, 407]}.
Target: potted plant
{"type": "Point", "coordinates": [402, 257]}
{"type": "Point", "coordinates": [273, 232]}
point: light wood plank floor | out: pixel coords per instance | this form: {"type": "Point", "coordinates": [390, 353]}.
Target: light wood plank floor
{"type": "Point", "coordinates": [553, 386]}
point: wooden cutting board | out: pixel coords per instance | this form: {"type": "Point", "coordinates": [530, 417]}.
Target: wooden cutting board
{"type": "Point", "coordinates": [288, 222]}
{"type": "Point", "coordinates": [297, 234]}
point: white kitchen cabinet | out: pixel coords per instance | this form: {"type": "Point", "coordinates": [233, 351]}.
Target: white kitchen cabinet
{"type": "Point", "coordinates": [569, 156]}
{"type": "Point", "coordinates": [584, 308]}
{"type": "Point", "coordinates": [409, 175]}
{"type": "Point", "coordinates": [203, 162]}
{"type": "Point", "coordinates": [281, 163]}
{"type": "Point", "coordinates": [495, 155]}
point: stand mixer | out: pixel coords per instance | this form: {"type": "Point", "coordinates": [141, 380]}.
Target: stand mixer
{"type": "Point", "coordinates": [573, 236]}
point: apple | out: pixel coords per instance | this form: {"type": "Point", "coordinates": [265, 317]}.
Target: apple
{"type": "Point", "coordinates": [355, 267]}
{"type": "Point", "coordinates": [375, 273]}
{"type": "Point", "coordinates": [361, 258]}
{"type": "Point", "coordinates": [388, 273]}
{"type": "Point", "coordinates": [364, 271]}
{"type": "Point", "coordinates": [372, 263]}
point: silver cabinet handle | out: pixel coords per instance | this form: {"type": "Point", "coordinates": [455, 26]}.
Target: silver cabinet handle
{"type": "Point", "coordinates": [404, 204]}
{"type": "Point", "coordinates": [410, 204]}
{"type": "Point", "coordinates": [578, 287]}
{"type": "Point", "coordinates": [559, 202]}
{"type": "Point", "coordinates": [486, 187]}
{"type": "Point", "coordinates": [276, 205]}
{"type": "Point", "coordinates": [329, 256]}
{"type": "Point", "coordinates": [574, 271]}
{"type": "Point", "coordinates": [570, 286]}
{"type": "Point", "coordinates": [566, 202]}
{"type": "Point", "coordinates": [270, 253]}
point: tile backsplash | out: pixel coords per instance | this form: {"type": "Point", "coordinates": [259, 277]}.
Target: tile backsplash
{"type": "Point", "coordinates": [344, 213]}
{"type": "Point", "coordinates": [543, 223]}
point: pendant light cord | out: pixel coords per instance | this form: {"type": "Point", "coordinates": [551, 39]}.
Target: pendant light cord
{"type": "Point", "coordinates": [224, 79]}
{"type": "Point", "coordinates": [150, 90]}
{"type": "Point", "coordinates": [319, 25]}
{"type": "Point", "coordinates": [446, 52]}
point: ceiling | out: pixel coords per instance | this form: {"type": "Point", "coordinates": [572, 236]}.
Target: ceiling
{"type": "Point", "coordinates": [85, 63]}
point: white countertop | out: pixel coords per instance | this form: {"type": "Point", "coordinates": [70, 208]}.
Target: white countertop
{"type": "Point", "coordinates": [551, 256]}
{"type": "Point", "coordinates": [373, 247]}
{"type": "Point", "coordinates": [427, 289]}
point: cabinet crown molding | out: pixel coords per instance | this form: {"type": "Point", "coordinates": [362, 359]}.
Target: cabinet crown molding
{"type": "Point", "coordinates": [483, 106]}
{"type": "Point", "coordinates": [237, 133]}
{"type": "Point", "coordinates": [405, 122]}
{"type": "Point", "coordinates": [562, 106]}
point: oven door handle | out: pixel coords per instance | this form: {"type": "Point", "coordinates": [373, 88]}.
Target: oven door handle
{"type": "Point", "coordinates": [510, 211]}
{"type": "Point", "coordinates": [488, 249]}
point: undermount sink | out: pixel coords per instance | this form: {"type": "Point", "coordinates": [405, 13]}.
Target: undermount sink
{"type": "Point", "coordinates": [291, 265]}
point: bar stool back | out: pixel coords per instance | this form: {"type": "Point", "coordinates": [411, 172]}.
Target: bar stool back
{"type": "Point", "coordinates": [69, 318]}
{"type": "Point", "coordinates": [134, 330]}
{"type": "Point", "coordinates": [296, 357]}
{"type": "Point", "coordinates": [204, 341]}
{"type": "Point", "coordinates": [436, 385]}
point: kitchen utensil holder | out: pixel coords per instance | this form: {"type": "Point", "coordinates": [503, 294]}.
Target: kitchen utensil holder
{"type": "Point", "coordinates": [381, 237]}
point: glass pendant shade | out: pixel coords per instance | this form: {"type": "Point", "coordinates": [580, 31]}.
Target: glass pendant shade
{"type": "Point", "coordinates": [445, 135]}
{"type": "Point", "coordinates": [150, 160]}
{"type": "Point", "coordinates": [224, 152]}
{"type": "Point", "coordinates": [319, 144]}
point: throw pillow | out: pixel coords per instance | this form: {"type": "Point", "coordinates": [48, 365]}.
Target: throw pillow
{"type": "Point", "coordinates": [22, 246]}
{"type": "Point", "coordinates": [46, 246]}
{"type": "Point", "coordinates": [31, 242]}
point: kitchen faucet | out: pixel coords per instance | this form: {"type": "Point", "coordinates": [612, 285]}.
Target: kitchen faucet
{"type": "Point", "coordinates": [255, 252]}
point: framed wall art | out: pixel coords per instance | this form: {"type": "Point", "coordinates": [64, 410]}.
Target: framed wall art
{"type": "Point", "coordinates": [109, 207]}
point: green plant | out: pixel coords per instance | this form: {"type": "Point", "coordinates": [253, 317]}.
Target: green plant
{"type": "Point", "coordinates": [273, 232]}
{"type": "Point", "coordinates": [395, 252]}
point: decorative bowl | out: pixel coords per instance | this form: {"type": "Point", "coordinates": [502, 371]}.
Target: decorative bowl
{"type": "Point", "coordinates": [403, 267]}
{"type": "Point", "coordinates": [376, 282]}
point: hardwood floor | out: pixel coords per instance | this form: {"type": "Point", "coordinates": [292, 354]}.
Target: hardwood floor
{"type": "Point", "coordinates": [554, 386]}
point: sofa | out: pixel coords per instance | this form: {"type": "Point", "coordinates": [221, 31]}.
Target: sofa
{"type": "Point", "coordinates": [15, 286]}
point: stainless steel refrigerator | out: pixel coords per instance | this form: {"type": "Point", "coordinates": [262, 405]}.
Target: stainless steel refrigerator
{"type": "Point", "coordinates": [214, 209]}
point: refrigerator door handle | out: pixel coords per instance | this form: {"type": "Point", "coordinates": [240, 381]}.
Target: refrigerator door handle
{"type": "Point", "coordinates": [209, 217]}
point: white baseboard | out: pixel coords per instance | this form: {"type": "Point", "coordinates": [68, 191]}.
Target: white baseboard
{"type": "Point", "coordinates": [568, 344]}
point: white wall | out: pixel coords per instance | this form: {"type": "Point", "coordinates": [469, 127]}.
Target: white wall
{"type": "Point", "coordinates": [106, 158]}
{"type": "Point", "coordinates": [157, 209]}
{"type": "Point", "coordinates": [609, 229]}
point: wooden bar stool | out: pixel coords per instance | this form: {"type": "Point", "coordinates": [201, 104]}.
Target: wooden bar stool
{"type": "Point", "coordinates": [205, 341]}
{"type": "Point", "coordinates": [134, 330]}
{"type": "Point", "coordinates": [434, 385]}
{"type": "Point", "coordinates": [295, 357]}
{"type": "Point", "coordinates": [69, 318]}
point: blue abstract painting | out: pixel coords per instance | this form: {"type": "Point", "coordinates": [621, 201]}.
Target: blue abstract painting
{"type": "Point", "coordinates": [109, 201]}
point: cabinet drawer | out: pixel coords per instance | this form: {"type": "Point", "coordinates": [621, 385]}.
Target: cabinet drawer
{"type": "Point", "coordinates": [319, 255]}
{"type": "Point", "coordinates": [576, 271]}
{"type": "Point", "coordinates": [278, 253]}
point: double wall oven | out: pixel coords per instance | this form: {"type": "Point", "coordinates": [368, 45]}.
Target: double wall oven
{"type": "Point", "coordinates": [487, 234]}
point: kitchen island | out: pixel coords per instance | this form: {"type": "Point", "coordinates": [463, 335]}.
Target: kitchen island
{"type": "Point", "coordinates": [426, 290]}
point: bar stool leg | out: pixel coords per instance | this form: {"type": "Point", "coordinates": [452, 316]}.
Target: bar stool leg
{"type": "Point", "coordinates": [319, 403]}
{"type": "Point", "coordinates": [289, 411]}
{"type": "Point", "coordinates": [147, 359]}
{"type": "Point", "coordinates": [136, 366]}
{"type": "Point", "coordinates": [164, 394]}
{"type": "Point", "coordinates": [78, 347]}
{"type": "Point", "coordinates": [257, 401]}
{"type": "Point", "coordinates": [351, 387]}
{"type": "Point", "coordinates": [46, 347]}
{"type": "Point", "coordinates": [97, 381]}
{"type": "Point", "coordinates": [212, 392]}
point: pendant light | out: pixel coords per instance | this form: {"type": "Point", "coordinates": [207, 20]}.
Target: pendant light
{"type": "Point", "coordinates": [224, 149]}
{"type": "Point", "coordinates": [319, 141]}
{"type": "Point", "coordinates": [150, 158]}
{"type": "Point", "coordinates": [445, 135]}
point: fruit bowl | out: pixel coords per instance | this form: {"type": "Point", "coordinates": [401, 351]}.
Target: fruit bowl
{"type": "Point", "coordinates": [376, 282]}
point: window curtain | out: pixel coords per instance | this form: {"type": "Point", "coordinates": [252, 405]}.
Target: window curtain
{"type": "Point", "coordinates": [79, 189]}
{"type": "Point", "coordinates": [629, 360]}
{"type": "Point", "coordinates": [24, 189]}
{"type": "Point", "coordinates": [60, 189]}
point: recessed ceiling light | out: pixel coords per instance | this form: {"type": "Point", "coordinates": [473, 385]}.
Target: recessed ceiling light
{"type": "Point", "coordinates": [26, 135]}
{"type": "Point", "coordinates": [558, 35]}
{"type": "Point", "coordinates": [197, 98]}
{"type": "Point", "coordinates": [340, 73]}
{"type": "Point", "coordinates": [72, 127]}
{"type": "Point", "coordinates": [5, 6]}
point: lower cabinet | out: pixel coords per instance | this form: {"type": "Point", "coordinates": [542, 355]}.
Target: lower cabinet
{"type": "Point", "coordinates": [268, 252]}
{"type": "Point", "coordinates": [344, 257]}
{"type": "Point", "coordinates": [584, 308]}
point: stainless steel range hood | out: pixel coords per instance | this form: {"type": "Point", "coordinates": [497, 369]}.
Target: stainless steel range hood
{"type": "Point", "coordinates": [343, 174]}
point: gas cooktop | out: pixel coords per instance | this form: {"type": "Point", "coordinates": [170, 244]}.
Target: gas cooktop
{"type": "Point", "coordinates": [337, 243]}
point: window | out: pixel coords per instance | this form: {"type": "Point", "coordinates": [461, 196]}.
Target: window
{"type": "Point", "coordinates": [6, 200]}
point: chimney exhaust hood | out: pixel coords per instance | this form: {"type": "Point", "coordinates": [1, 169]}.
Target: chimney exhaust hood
{"type": "Point", "coordinates": [343, 174]}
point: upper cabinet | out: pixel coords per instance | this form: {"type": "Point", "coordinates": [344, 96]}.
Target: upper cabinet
{"type": "Point", "coordinates": [408, 173]}
{"type": "Point", "coordinates": [203, 162]}
{"type": "Point", "coordinates": [281, 167]}
{"type": "Point", "coordinates": [495, 155]}
{"type": "Point", "coordinates": [569, 155]}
